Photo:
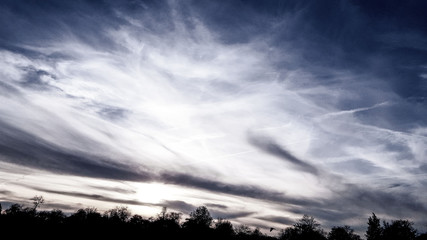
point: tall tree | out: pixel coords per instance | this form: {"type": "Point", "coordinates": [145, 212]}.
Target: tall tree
{"type": "Point", "coordinates": [118, 214]}
{"type": "Point", "coordinates": [200, 217]}
{"type": "Point", "coordinates": [342, 233]}
{"type": "Point", "coordinates": [37, 201]}
{"type": "Point", "coordinates": [224, 229]}
{"type": "Point", "coordinates": [374, 231]}
{"type": "Point", "coordinates": [305, 229]}
{"type": "Point", "coordinates": [399, 230]}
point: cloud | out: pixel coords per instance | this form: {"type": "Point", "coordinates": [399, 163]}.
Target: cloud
{"type": "Point", "coordinates": [178, 205]}
{"type": "Point", "coordinates": [95, 197]}
{"type": "Point", "coordinates": [5, 192]}
{"type": "Point", "coordinates": [46, 156]}
{"type": "Point", "coordinates": [114, 189]}
{"type": "Point", "coordinates": [161, 92]}
{"type": "Point", "coordinates": [215, 205]}
{"type": "Point", "coordinates": [269, 146]}
{"type": "Point", "coordinates": [359, 166]}
{"type": "Point", "coordinates": [19, 147]}
{"type": "Point", "coordinates": [278, 219]}
{"type": "Point", "coordinates": [236, 190]}
{"type": "Point", "coordinates": [230, 214]}
{"type": "Point", "coordinates": [113, 113]}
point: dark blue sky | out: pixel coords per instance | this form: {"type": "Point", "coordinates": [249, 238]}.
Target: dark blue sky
{"type": "Point", "coordinates": [263, 110]}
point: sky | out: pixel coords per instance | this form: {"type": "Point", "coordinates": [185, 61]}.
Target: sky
{"type": "Point", "coordinates": [263, 111]}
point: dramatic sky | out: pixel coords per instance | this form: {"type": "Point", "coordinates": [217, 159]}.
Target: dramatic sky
{"type": "Point", "coordinates": [261, 110]}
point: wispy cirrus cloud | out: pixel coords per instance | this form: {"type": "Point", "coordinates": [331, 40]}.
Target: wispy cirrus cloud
{"type": "Point", "coordinates": [166, 92]}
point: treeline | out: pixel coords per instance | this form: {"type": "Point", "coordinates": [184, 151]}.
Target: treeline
{"type": "Point", "coordinates": [118, 223]}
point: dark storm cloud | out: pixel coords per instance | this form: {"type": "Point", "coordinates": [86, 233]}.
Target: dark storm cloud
{"type": "Point", "coordinates": [271, 147]}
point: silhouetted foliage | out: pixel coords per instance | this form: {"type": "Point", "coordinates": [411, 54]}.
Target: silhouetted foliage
{"type": "Point", "coordinates": [14, 210]}
{"type": "Point", "coordinates": [422, 237]}
{"type": "Point", "coordinates": [118, 214]}
{"type": "Point", "coordinates": [305, 228]}
{"type": "Point", "coordinates": [117, 223]}
{"type": "Point", "coordinates": [86, 216]}
{"type": "Point", "coordinates": [399, 230]}
{"type": "Point", "coordinates": [137, 220]}
{"type": "Point", "coordinates": [166, 225]}
{"type": "Point", "coordinates": [37, 201]}
{"type": "Point", "coordinates": [200, 218]}
{"type": "Point", "coordinates": [374, 231]}
{"type": "Point", "coordinates": [55, 216]}
{"type": "Point", "coordinates": [342, 233]}
{"type": "Point", "coordinates": [198, 225]}
{"type": "Point", "coordinates": [224, 229]}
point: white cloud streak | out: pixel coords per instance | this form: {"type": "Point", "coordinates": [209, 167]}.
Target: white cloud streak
{"type": "Point", "coordinates": [184, 101]}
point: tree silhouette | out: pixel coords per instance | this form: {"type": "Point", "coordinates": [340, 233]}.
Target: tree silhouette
{"type": "Point", "coordinates": [118, 214]}
{"type": "Point", "coordinates": [198, 225]}
{"type": "Point", "coordinates": [422, 237]}
{"type": "Point", "coordinates": [37, 201]}
{"type": "Point", "coordinates": [305, 229]}
{"type": "Point", "coordinates": [88, 216]}
{"type": "Point", "coordinates": [200, 218]}
{"type": "Point", "coordinates": [55, 216]}
{"type": "Point", "coordinates": [374, 231]}
{"type": "Point", "coordinates": [137, 220]}
{"type": "Point", "coordinates": [342, 233]}
{"type": "Point", "coordinates": [224, 229]}
{"type": "Point", "coordinates": [27, 222]}
{"type": "Point", "coordinates": [14, 210]}
{"type": "Point", "coordinates": [243, 231]}
{"type": "Point", "coordinates": [168, 220]}
{"type": "Point", "coordinates": [399, 230]}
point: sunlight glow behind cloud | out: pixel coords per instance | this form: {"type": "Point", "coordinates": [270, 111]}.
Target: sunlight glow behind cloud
{"type": "Point", "coordinates": [197, 119]}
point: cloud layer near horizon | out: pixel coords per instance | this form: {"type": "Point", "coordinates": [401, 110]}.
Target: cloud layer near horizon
{"type": "Point", "coordinates": [272, 110]}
